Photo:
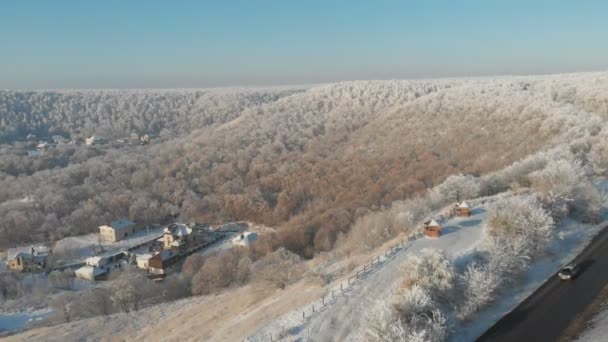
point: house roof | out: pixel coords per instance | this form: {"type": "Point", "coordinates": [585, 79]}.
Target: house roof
{"type": "Point", "coordinates": [23, 255]}
{"type": "Point", "coordinates": [463, 204]}
{"type": "Point", "coordinates": [178, 229]}
{"type": "Point", "coordinates": [93, 260]}
{"type": "Point", "coordinates": [432, 223]}
{"type": "Point", "coordinates": [145, 256]}
{"type": "Point", "coordinates": [122, 224]}
{"type": "Point", "coordinates": [12, 253]}
{"type": "Point", "coordinates": [91, 271]}
{"type": "Point", "coordinates": [245, 238]}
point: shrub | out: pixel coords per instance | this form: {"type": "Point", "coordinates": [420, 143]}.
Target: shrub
{"type": "Point", "coordinates": [430, 270]}
{"type": "Point", "coordinates": [521, 223]}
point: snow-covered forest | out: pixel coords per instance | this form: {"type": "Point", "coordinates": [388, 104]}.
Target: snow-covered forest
{"type": "Point", "coordinates": [307, 161]}
{"type": "Point", "coordinates": [339, 170]}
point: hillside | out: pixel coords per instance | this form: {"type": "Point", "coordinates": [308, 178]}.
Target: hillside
{"type": "Point", "coordinates": [341, 171]}
{"type": "Point", "coordinates": [307, 161]}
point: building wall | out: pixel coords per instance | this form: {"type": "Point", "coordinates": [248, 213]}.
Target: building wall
{"type": "Point", "coordinates": [15, 265]}
{"type": "Point", "coordinates": [109, 234]}
{"type": "Point", "coordinates": [463, 212]}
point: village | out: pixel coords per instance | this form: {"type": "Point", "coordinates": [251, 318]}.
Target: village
{"type": "Point", "coordinates": [35, 145]}
{"type": "Point", "coordinates": [155, 251]}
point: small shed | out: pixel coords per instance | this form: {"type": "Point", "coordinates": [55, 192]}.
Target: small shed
{"type": "Point", "coordinates": [462, 209]}
{"type": "Point", "coordinates": [432, 228]}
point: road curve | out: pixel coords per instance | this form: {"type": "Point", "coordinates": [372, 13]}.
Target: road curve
{"type": "Point", "coordinates": [547, 312]}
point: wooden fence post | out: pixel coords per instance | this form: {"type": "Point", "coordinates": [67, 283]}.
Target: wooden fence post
{"type": "Point", "coordinates": [341, 289]}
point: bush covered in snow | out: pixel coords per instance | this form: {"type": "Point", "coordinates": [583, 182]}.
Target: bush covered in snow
{"type": "Point", "coordinates": [430, 270]}
{"type": "Point", "coordinates": [411, 316]}
{"type": "Point", "coordinates": [563, 187]}
{"type": "Point", "coordinates": [520, 222]}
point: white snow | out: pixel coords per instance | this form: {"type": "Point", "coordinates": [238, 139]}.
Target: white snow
{"type": "Point", "coordinates": [598, 329]}
{"type": "Point", "coordinates": [19, 321]}
{"type": "Point", "coordinates": [340, 318]}
{"type": "Point", "coordinates": [463, 205]}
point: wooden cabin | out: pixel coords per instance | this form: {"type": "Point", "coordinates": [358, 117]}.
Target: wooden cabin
{"type": "Point", "coordinates": [462, 209]}
{"type": "Point", "coordinates": [432, 229]}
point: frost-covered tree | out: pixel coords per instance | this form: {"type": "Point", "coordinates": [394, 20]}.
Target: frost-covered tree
{"type": "Point", "coordinates": [520, 222]}
{"type": "Point", "coordinates": [411, 315]}
{"type": "Point", "coordinates": [459, 187]}
{"type": "Point", "coordinates": [431, 270]}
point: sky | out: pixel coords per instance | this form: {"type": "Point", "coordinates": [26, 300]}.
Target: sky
{"type": "Point", "coordinates": [169, 44]}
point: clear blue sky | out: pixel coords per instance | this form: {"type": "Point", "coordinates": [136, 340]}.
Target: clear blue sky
{"type": "Point", "coordinates": [127, 43]}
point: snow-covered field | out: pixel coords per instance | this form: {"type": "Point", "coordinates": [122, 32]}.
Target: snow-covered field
{"type": "Point", "coordinates": [339, 320]}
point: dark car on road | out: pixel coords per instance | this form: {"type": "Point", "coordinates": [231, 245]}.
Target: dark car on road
{"type": "Point", "coordinates": [569, 272]}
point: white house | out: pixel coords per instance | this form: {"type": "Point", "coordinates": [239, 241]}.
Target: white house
{"type": "Point", "coordinates": [97, 261]}
{"type": "Point", "coordinates": [143, 261]}
{"type": "Point", "coordinates": [95, 140]}
{"type": "Point", "coordinates": [43, 145]}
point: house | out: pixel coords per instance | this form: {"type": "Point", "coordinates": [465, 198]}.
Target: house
{"type": "Point", "coordinates": [58, 139]}
{"type": "Point", "coordinates": [95, 140]}
{"type": "Point", "coordinates": [159, 262]}
{"type": "Point", "coordinates": [31, 137]}
{"type": "Point", "coordinates": [116, 231]}
{"type": "Point", "coordinates": [463, 209]}
{"type": "Point", "coordinates": [91, 273]}
{"type": "Point", "coordinates": [144, 139]}
{"type": "Point", "coordinates": [134, 138]}
{"type": "Point", "coordinates": [176, 236]}
{"type": "Point", "coordinates": [97, 261]}
{"type": "Point", "coordinates": [43, 145]}
{"type": "Point", "coordinates": [432, 228]}
{"type": "Point", "coordinates": [245, 238]}
{"type": "Point", "coordinates": [143, 261]}
{"type": "Point", "coordinates": [26, 260]}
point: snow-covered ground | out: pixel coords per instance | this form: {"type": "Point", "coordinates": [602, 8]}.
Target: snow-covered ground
{"type": "Point", "coordinates": [598, 328]}
{"type": "Point", "coordinates": [18, 321]}
{"type": "Point", "coordinates": [78, 248]}
{"type": "Point", "coordinates": [340, 319]}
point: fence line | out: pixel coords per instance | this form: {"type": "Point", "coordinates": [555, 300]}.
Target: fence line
{"type": "Point", "coordinates": [308, 311]}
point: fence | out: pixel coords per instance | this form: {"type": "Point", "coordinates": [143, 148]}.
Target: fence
{"type": "Point", "coordinates": [373, 264]}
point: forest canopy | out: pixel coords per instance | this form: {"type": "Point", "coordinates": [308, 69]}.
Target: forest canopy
{"type": "Point", "coordinates": [308, 161]}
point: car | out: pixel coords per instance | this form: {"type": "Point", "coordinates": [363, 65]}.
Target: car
{"type": "Point", "coordinates": [569, 272]}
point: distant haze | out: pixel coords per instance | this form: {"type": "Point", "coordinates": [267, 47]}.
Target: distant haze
{"type": "Point", "coordinates": [160, 44]}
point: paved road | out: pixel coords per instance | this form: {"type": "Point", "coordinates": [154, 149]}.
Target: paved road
{"type": "Point", "coordinates": [544, 315]}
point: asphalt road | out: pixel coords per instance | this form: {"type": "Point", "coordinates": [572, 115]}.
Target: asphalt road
{"type": "Point", "coordinates": [548, 311]}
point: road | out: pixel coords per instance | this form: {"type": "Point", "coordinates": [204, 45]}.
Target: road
{"type": "Point", "coordinates": [547, 312]}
